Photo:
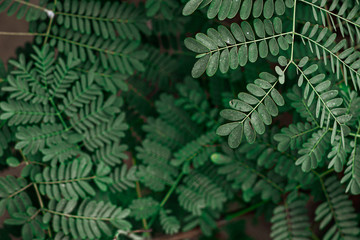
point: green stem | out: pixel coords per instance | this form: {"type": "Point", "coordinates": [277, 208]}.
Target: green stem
{"type": "Point", "coordinates": [50, 24]}
{"type": "Point", "coordinates": [167, 196]}
{"type": "Point", "coordinates": [31, 5]}
{"type": "Point", "coordinates": [58, 114]}
{"type": "Point", "coordinates": [245, 211]}
{"type": "Point", "coordinates": [21, 34]}
{"type": "Point", "coordinates": [244, 43]}
{"type": "Point", "coordinates": [75, 216]}
{"type": "Point", "coordinates": [20, 190]}
{"type": "Point", "coordinates": [69, 180]}
{"type": "Point", "coordinates": [293, 33]}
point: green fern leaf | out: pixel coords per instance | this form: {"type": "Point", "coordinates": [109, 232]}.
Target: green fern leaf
{"type": "Point", "coordinates": [144, 208]}
{"type": "Point", "coordinates": [89, 219]}
{"type": "Point", "coordinates": [290, 221]}
{"type": "Point", "coordinates": [352, 170]}
{"type": "Point", "coordinates": [223, 49]}
{"type": "Point", "coordinates": [170, 224]}
{"type": "Point", "coordinates": [68, 181]}
{"type": "Point", "coordinates": [123, 178]}
{"type": "Point", "coordinates": [249, 115]}
{"type": "Point", "coordinates": [338, 208]}
{"type": "Point", "coordinates": [105, 133]}
{"type": "Point", "coordinates": [229, 8]}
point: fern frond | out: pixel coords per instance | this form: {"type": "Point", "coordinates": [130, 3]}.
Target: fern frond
{"type": "Point", "coordinates": [226, 49]}
{"type": "Point", "coordinates": [60, 152]}
{"type": "Point", "coordinates": [11, 187]}
{"type": "Point", "coordinates": [123, 178]}
{"type": "Point", "coordinates": [346, 17]}
{"type": "Point", "coordinates": [313, 149]}
{"type": "Point", "coordinates": [166, 8]}
{"type": "Point", "coordinates": [5, 138]}
{"type": "Point", "coordinates": [106, 133]}
{"type": "Point", "coordinates": [299, 103]}
{"type": "Point", "coordinates": [267, 155]}
{"type": "Point", "coordinates": [327, 99]}
{"type": "Point", "coordinates": [294, 136]}
{"type": "Point", "coordinates": [249, 115]}
{"type": "Point", "coordinates": [94, 113]}
{"type": "Point", "coordinates": [193, 99]}
{"type": "Point", "coordinates": [338, 154]}
{"type": "Point", "coordinates": [164, 133]}
{"type": "Point", "coordinates": [144, 208]}
{"type": "Point", "coordinates": [324, 43]}
{"type": "Point", "coordinates": [159, 67]}
{"type": "Point", "coordinates": [206, 221]}
{"type": "Point", "coordinates": [21, 10]}
{"type": "Point", "coordinates": [34, 138]}
{"type": "Point", "coordinates": [107, 20]}
{"type": "Point", "coordinates": [116, 54]}
{"type": "Point", "coordinates": [109, 80]}
{"type": "Point", "coordinates": [176, 116]}
{"type": "Point", "coordinates": [31, 223]}
{"type": "Point", "coordinates": [44, 60]}
{"type": "Point", "coordinates": [229, 8]}
{"type": "Point", "coordinates": [352, 103]}
{"type": "Point", "coordinates": [20, 90]}
{"type": "Point", "coordinates": [68, 181]}
{"type": "Point", "coordinates": [17, 113]}
{"type": "Point", "coordinates": [199, 192]}
{"type": "Point", "coordinates": [248, 178]}
{"type": "Point", "coordinates": [111, 154]}
{"type": "Point", "coordinates": [88, 219]}
{"type": "Point", "coordinates": [80, 94]}
{"type": "Point", "coordinates": [290, 221]}
{"type": "Point", "coordinates": [352, 171]}
{"type": "Point", "coordinates": [156, 173]}
{"type": "Point", "coordinates": [170, 224]}
{"type": "Point", "coordinates": [338, 208]}
{"type": "Point", "coordinates": [64, 75]}
{"type": "Point", "coordinates": [196, 153]}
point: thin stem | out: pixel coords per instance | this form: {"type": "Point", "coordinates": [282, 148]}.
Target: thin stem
{"type": "Point", "coordinates": [293, 33]}
{"type": "Point", "coordinates": [50, 24]}
{"type": "Point", "coordinates": [326, 173]}
{"type": "Point", "coordinates": [87, 46]}
{"type": "Point", "coordinates": [244, 43]}
{"type": "Point", "coordinates": [31, 5]}
{"type": "Point", "coordinates": [69, 180]}
{"type": "Point", "coordinates": [34, 184]}
{"type": "Point", "coordinates": [75, 216]}
{"type": "Point", "coordinates": [21, 34]}
{"type": "Point", "coordinates": [173, 187]}
{"type": "Point", "coordinates": [36, 190]}
{"type": "Point", "coordinates": [35, 214]}
{"type": "Point", "coordinates": [260, 102]}
{"type": "Point", "coordinates": [118, 20]}
{"type": "Point", "coordinates": [167, 196]}
{"type": "Point", "coordinates": [139, 195]}
{"type": "Point", "coordinates": [20, 190]}
{"type": "Point", "coordinates": [58, 114]}
{"type": "Point", "coordinates": [245, 211]}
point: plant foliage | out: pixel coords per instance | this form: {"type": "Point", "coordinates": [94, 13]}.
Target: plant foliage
{"type": "Point", "coordinates": [118, 132]}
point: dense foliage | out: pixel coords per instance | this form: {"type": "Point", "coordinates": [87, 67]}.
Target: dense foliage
{"type": "Point", "coordinates": [120, 132]}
